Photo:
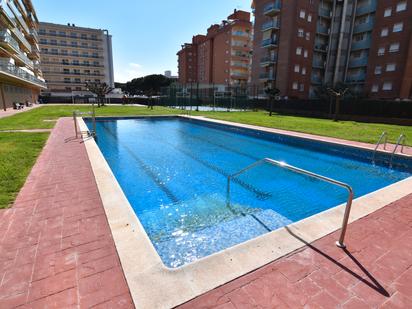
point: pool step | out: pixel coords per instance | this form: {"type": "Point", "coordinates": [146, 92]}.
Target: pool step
{"type": "Point", "coordinates": [184, 247]}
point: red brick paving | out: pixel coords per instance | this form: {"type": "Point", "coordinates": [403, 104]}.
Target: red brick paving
{"type": "Point", "coordinates": [56, 251]}
{"type": "Point", "coordinates": [56, 248]}
{"type": "Point", "coordinates": [375, 271]}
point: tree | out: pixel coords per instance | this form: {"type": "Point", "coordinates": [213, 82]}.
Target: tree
{"type": "Point", "coordinates": [100, 90]}
{"type": "Point", "coordinates": [272, 93]}
{"type": "Point", "coordinates": [338, 93]}
{"type": "Point", "coordinates": [144, 85]}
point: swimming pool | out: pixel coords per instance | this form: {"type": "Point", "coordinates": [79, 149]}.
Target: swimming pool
{"type": "Point", "coordinates": [174, 174]}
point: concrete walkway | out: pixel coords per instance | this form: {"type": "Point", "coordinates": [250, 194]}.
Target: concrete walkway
{"type": "Point", "coordinates": [56, 248]}
{"type": "Point", "coordinates": [11, 111]}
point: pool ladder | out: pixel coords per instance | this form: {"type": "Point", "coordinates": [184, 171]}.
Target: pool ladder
{"type": "Point", "coordinates": [340, 243]}
{"type": "Point", "coordinates": [400, 142]}
{"type": "Point", "coordinates": [384, 137]}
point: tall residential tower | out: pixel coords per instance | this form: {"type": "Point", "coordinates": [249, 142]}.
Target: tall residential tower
{"type": "Point", "coordinates": [20, 74]}
{"type": "Point", "coordinates": [222, 56]}
{"type": "Point", "coordinates": [366, 44]}
{"type": "Point", "coordinates": [71, 56]}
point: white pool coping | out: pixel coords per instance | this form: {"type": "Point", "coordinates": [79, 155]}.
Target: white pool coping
{"type": "Point", "coordinates": [153, 285]}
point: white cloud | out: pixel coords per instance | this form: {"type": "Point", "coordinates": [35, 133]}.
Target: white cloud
{"type": "Point", "coordinates": [132, 70]}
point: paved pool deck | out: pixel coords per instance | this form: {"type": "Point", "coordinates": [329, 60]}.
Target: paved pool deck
{"type": "Point", "coordinates": [57, 251]}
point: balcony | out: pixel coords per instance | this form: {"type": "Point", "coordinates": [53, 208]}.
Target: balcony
{"type": "Point", "coordinates": [364, 44]}
{"type": "Point", "coordinates": [321, 29]}
{"type": "Point", "coordinates": [241, 34]}
{"type": "Point", "coordinates": [8, 42]}
{"type": "Point", "coordinates": [272, 9]}
{"type": "Point", "coordinates": [267, 61]}
{"type": "Point", "coordinates": [271, 25]}
{"type": "Point", "coordinates": [269, 43]}
{"type": "Point", "coordinates": [22, 39]}
{"type": "Point", "coordinates": [326, 13]}
{"type": "Point", "coordinates": [239, 75]}
{"type": "Point", "coordinates": [356, 78]}
{"type": "Point", "coordinates": [358, 62]}
{"type": "Point", "coordinates": [267, 76]}
{"type": "Point", "coordinates": [6, 16]}
{"type": "Point", "coordinates": [321, 47]}
{"type": "Point", "coordinates": [364, 27]}
{"type": "Point", "coordinates": [15, 71]}
{"type": "Point", "coordinates": [316, 79]}
{"type": "Point", "coordinates": [318, 63]}
{"type": "Point", "coordinates": [22, 60]}
{"type": "Point", "coordinates": [367, 8]}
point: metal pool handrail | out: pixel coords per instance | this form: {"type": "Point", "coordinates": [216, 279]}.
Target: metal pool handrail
{"type": "Point", "coordinates": [383, 135]}
{"type": "Point", "coordinates": [401, 142]}
{"type": "Point", "coordinates": [340, 243]}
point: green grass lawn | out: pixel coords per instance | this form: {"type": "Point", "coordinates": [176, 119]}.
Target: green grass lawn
{"type": "Point", "coordinates": [18, 152]}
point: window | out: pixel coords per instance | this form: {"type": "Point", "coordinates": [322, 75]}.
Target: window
{"type": "Point", "coordinates": [398, 27]}
{"type": "Point", "coordinates": [375, 88]}
{"type": "Point", "coordinates": [401, 6]}
{"type": "Point", "coordinates": [301, 32]}
{"type": "Point", "coordinates": [381, 51]}
{"type": "Point", "coordinates": [384, 32]}
{"type": "Point", "coordinates": [303, 71]}
{"type": "Point", "coordinates": [387, 86]}
{"type": "Point", "coordinates": [297, 68]}
{"type": "Point", "coordinates": [302, 87]}
{"type": "Point", "coordinates": [299, 51]}
{"type": "Point", "coordinates": [302, 14]}
{"type": "Point", "coordinates": [391, 67]}
{"type": "Point", "coordinates": [308, 36]}
{"type": "Point", "coordinates": [378, 70]}
{"type": "Point", "coordinates": [305, 53]}
{"type": "Point", "coordinates": [388, 12]}
{"type": "Point", "coordinates": [295, 86]}
{"type": "Point", "coordinates": [394, 48]}
{"type": "Point", "coordinates": [309, 17]}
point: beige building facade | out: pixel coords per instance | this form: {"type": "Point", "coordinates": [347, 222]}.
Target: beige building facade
{"type": "Point", "coordinates": [72, 56]}
{"type": "Point", "coordinates": [21, 77]}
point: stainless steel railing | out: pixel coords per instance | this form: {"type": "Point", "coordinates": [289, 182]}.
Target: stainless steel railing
{"type": "Point", "coordinates": [340, 243]}
{"type": "Point", "coordinates": [383, 136]}
{"type": "Point", "coordinates": [399, 142]}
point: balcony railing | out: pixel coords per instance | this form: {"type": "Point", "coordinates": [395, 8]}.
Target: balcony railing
{"type": "Point", "coordinates": [20, 73]}
{"type": "Point", "coordinates": [7, 38]}
{"type": "Point", "coordinates": [364, 27]}
{"type": "Point", "coordinates": [272, 8]}
{"type": "Point", "coordinates": [25, 60]}
{"type": "Point", "coordinates": [21, 38]}
{"type": "Point", "coordinates": [367, 8]}
{"type": "Point", "coordinates": [267, 76]}
{"type": "Point", "coordinates": [42, 33]}
{"type": "Point", "coordinates": [322, 29]}
{"type": "Point", "coordinates": [71, 55]}
{"type": "Point", "coordinates": [271, 25]}
{"type": "Point", "coordinates": [358, 62]}
{"type": "Point", "coordinates": [240, 75]}
{"type": "Point", "coordinates": [325, 12]}
{"type": "Point", "coordinates": [364, 44]}
{"type": "Point", "coordinates": [268, 60]}
{"type": "Point", "coordinates": [316, 79]}
{"type": "Point", "coordinates": [357, 77]}
{"type": "Point", "coordinates": [318, 63]}
{"type": "Point", "coordinates": [269, 42]}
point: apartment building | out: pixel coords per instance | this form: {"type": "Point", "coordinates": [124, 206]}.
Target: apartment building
{"type": "Point", "coordinates": [366, 44]}
{"type": "Point", "coordinates": [71, 56]}
{"type": "Point", "coordinates": [20, 74]}
{"type": "Point", "coordinates": [222, 56]}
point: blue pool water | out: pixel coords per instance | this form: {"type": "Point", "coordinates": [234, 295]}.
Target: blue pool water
{"type": "Point", "coordinates": [174, 174]}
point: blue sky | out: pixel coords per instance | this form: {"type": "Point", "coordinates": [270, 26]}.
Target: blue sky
{"type": "Point", "coordinates": [146, 33]}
